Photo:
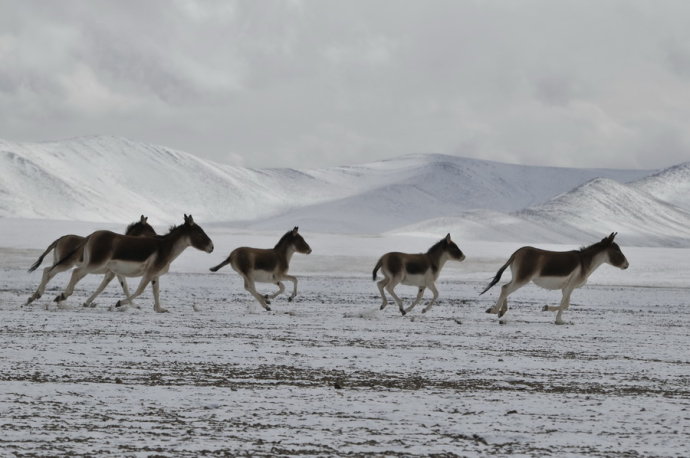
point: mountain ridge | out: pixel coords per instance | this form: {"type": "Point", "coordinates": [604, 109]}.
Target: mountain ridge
{"type": "Point", "coordinates": [113, 179]}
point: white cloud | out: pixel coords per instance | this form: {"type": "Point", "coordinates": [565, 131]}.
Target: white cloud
{"type": "Point", "coordinates": [310, 83]}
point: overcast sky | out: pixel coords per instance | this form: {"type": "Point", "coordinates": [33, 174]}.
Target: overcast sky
{"type": "Point", "coordinates": [318, 83]}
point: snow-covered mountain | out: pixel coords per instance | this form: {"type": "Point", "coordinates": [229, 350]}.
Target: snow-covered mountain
{"type": "Point", "coordinates": [110, 179]}
{"type": "Point", "coordinates": [105, 178]}
{"type": "Point", "coordinates": [586, 213]}
{"type": "Point", "coordinates": [671, 185]}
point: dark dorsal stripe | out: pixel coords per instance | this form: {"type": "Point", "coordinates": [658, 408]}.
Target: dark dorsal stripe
{"type": "Point", "coordinates": [266, 260]}
{"type": "Point", "coordinates": [418, 264]}
{"type": "Point", "coordinates": [560, 264]}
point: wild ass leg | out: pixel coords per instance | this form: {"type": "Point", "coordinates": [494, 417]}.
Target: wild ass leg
{"type": "Point", "coordinates": [433, 289]}
{"type": "Point", "coordinates": [249, 286]}
{"type": "Point", "coordinates": [417, 300]}
{"type": "Point", "coordinates": [155, 285]}
{"type": "Point", "coordinates": [293, 279]}
{"type": "Point", "coordinates": [107, 278]}
{"type": "Point", "coordinates": [140, 289]}
{"type": "Point", "coordinates": [565, 303]}
{"type": "Point", "coordinates": [125, 289]}
{"type": "Point", "coordinates": [389, 287]}
{"type": "Point", "coordinates": [281, 288]}
{"type": "Point", "coordinates": [48, 274]}
{"type": "Point", "coordinates": [501, 306]}
{"type": "Point", "coordinates": [77, 274]}
{"type": "Point", "coordinates": [381, 284]}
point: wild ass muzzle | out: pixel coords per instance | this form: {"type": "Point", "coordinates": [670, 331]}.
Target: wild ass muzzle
{"type": "Point", "coordinates": [257, 265]}
{"type": "Point", "coordinates": [66, 247]}
{"type": "Point", "coordinates": [420, 270]}
{"type": "Point", "coordinates": [146, 257]}
{"type": "Point", "coordinates": [564, 270]}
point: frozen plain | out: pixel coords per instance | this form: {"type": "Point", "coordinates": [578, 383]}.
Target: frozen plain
{"type": "Point", "coordinates": [330, 375]}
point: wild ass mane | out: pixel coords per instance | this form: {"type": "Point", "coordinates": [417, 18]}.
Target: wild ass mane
{"type": "Point", "coordinates": [283, 239]}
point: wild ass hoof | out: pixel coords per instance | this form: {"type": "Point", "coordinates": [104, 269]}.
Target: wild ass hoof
{"type": "Point", "coordinates": [86, 304]}
{"type": "Point", "coordinates": [268, 309]}
{"type": "Point", "coordinates": [161, 310]}
{"type": "Point", "coordinates": [403, 312]}
{"type": "Point", "coordinates": [60, 298]}
{"type": "Point", "coordinates": [383, 306]}
{"type": "Point", "coordinates": [291, 298]}
{"type": "Point", "coordinates": [118, 304]}
{"type": "Point", "coordinates": [545, 308]}
{"type": "Point", "coordinates": [490, 310]}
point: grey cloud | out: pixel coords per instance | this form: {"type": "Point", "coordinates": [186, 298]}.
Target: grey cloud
{"type": "Point", "coordinates": [328, 82]}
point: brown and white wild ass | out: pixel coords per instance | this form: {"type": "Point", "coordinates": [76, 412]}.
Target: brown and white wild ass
{"type": "Point", "coordinates": [146, 257]}
{"type": "Point", "coordinates": [69, 244]}
{"type": "Point", "coordinates": [420, 270]}
{"type": "Point", "coordinates": [564, 270]}
{"type": "Point", "coordinates": [267, 265]}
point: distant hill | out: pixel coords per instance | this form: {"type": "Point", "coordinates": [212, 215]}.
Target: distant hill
{"type": "Point", "coordinates": [586, 213]}
{"type": "Point", "coordinates": [113, 179]}
{"type": "Point", "coordinates": [671, 185]}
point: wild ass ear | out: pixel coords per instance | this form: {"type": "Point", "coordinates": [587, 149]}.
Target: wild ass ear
{"type": "Point", "coordinates": [448, 238]}
{"type": "Point", "coordinates": [609, 240]}
{"type": "Point", "coordinates": [142, 219]}
{"type": "Point", "coordinates": [294, 231]}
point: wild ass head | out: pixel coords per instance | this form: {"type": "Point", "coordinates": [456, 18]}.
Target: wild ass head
{"type": "Point", "coordinates": [294, 239]}
{"type": "Point", "coordinates": [140, 228]}
{"type": "Point", "coordinates": [449, 248]}
{"type": "Point", "coordinates": [614, 255]}
{"type": "Point", "coordinates": [197, 237]}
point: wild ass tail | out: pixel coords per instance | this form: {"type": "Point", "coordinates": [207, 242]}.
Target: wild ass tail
{"type": "Point", "coordinates": [376, 269]}
{"type": "Point", "coordinates": [71, 257]}
{"type": "Point", "coordinates": [498, 274]}
{"type": "Point", "coordinates": [35, 265]}
{"type": "Point", "coordinates": [222, 264]}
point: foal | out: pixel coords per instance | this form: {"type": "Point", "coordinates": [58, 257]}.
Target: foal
{"type": "Point", "coordinates": [564, 270]}
{"type": "Point", "coordinates": [147, 257]}
{"type": "Point", "coordinates": [419, 270]}
{"type": "Point", "coordinates": [68, 244]}
{"type": "Point", "coordinates": [267, 265]}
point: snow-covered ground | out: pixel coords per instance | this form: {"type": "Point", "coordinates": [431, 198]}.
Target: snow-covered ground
{"type": "Point", "coordinates": [330, 374]}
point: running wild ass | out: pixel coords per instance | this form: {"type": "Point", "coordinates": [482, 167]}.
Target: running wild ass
{"type": "Point", "coordinates": [420, 270]}
{"type": "Point", "coordinates": [68, 245]}
{"type": "Point", "coordinates": [564, 270]}
{"type": "Point", "coordinates": [267, 265]}
{"type": "Point", "coordinates": [146, 257]}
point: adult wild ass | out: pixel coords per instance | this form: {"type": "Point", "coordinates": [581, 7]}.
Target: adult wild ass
{"type": "Point", "coordinates": [420, 270]}
{"type": "Point", "coordinates": [146, 257]}
{"type": "Point", "coordinates": [564, 270]}
{"type": "Point", "coordinates": [69, 244]}
{"type": "Point", "coordinates": [267, 265]}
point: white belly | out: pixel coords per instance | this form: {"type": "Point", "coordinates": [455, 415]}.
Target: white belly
{"type": "Point", "coordinates": [263, 276]}
{"type": "Point", "coordinates": [551, 282]}
{"type": "Point", "coordinates": [127, 268]}
{"type": "Point", "coordinates": [414, 280]}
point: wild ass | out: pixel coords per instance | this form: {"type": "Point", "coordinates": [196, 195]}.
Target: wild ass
{"type": "Point", "coordinates": [68, 244]}
{"type": "Point", "coordinates": [147, 257]}
{"type": "Point", "coordinates": [564, 270]}
{"type": "Point", "coordinates": [267, 265]}
{"type": "Point", "coordinates": [421, 270]}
